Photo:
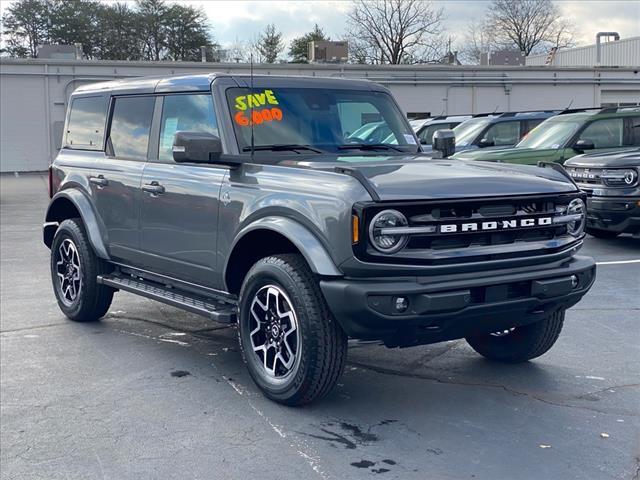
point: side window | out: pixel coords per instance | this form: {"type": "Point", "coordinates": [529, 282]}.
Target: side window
{"type": "Point", "coordinates": [503, 133]}
{"type": "Point", "coordinates": [426, 135]}
{"type": "Point", "coordinates": [632, 131]}
{"type": "Point", "coordinates": [604, 133]}
{"type": "Point", "coordinates": [185, 113]}
{"type": "Point", "coordinates": [86, 123]}
{"type": "Point", "coordinates": [530, 125]}
{"type": "Point", "coordinates": [130, 126]}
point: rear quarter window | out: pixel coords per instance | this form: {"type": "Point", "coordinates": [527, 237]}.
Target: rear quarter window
{"type": "Point", "coordinates": [87, 118]}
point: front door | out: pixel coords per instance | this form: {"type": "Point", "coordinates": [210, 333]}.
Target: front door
{"type": "Point", "coordinates": [180, 202]}
{"type": "Point", "coordinates": [612, 133]}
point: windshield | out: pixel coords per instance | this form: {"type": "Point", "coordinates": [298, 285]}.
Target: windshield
{"type": "Point", "coordinates": [550, 134]}
{"type": "Point", "coordinates": [372, 133]}
{"type": "Point", "coordinates": [467, 131]}
{"type": "Point", "coordinates": [313, 120]}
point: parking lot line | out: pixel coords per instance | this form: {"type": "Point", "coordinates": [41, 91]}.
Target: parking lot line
{"type": "Point", "coordinates": [618, 262]}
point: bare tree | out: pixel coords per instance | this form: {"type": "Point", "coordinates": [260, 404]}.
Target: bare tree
{"type": "Point", "coordinates": [239, 51]}
{"type": "Point", "coordinates": [395, 31]}
{"type": "Point", "coordinates": [528, 25]}
{"type": "Point", "coordinates": [476, 41]}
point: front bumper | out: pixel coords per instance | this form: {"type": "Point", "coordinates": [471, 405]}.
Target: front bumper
{"type": "Point", "coordinates": [453, 306]}
{"type": "Point", "coordinates": [616, 214]}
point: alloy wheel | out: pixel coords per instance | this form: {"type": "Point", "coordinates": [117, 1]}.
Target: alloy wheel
{"type": "Point", "coordinates": [274, 333]}
{"type": "Point", "coordinates": [68, 271]}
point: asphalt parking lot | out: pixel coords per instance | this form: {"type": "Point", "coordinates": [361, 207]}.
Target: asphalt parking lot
{"type": "Point", "coordinates": [153, 392]}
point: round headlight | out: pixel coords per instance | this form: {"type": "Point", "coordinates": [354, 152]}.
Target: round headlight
{"type": "Point", "coordinates": [619, 177]}
{"type": "Point", "coordinates": [630, 177]}
{"type": "Point", "coordinates": [576, 207]}
{"type": "Point", "coordinates": [381, 238]}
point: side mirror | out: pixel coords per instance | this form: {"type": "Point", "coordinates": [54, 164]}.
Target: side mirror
{"type": "Point", "coordinates": [486, 143]}
{"type": "Point", "coordinates": [584, 144]}
{"type": "Point", "coordinates": [196, 147]}
{"type": "Point", "coordinates": [444, 143]}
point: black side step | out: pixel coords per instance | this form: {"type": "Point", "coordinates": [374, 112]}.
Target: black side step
{"type": "Point", "coordinates": [212, 308]}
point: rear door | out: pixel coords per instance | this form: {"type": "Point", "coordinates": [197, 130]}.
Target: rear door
{"type": "Point", "coordinates": [180, 201]}
{"type": "Point", "coordinates": [116, 186]}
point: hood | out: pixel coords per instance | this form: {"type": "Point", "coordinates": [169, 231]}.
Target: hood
{"type": "Point", "coordinates": [419, 177]}
{"type": "Point", "coordinates": [625, 158]}
{"type": "Point", "coordinates": [504, 154]}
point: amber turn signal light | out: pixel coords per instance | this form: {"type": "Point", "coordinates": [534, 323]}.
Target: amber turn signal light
{"type": "Point", "coordinates": [355, 229]}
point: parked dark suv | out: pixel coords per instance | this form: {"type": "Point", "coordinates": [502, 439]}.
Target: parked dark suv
{"type": "Point", "coordinates": [611, 181]}
{"type": "Point", "coordinates": [427, 127]}
{"type": "Point", "coordinates": [568, 134]}
{"type": "Point", "coordinates": [497, 130]}
{"type": "Point", "coordinates": [244, 199]}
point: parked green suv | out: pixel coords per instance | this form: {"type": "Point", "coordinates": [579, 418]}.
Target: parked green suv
{"type": "Point", "coordinates": [568, 134]}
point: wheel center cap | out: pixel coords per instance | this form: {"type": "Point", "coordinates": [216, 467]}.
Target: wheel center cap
{"type": "Point", "coordinates": [275, 331]}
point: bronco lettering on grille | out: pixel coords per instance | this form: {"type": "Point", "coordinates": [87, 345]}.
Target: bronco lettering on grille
{"type": "Point", "coordinates": [495, 225]}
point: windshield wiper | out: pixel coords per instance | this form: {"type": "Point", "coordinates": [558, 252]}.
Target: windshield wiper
{"type": "Point", "coordinates": [369, 146]}
{"type": "Point", "coordinates": [281, 148]}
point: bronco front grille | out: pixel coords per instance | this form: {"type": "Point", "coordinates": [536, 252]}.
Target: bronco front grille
{"type": "Point", "coordinates": [444, 232]}
{"type": "Point", "coordinates": [586, 176]}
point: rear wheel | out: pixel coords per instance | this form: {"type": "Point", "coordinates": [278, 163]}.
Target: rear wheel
{"type": "Point", "coordinates": [519, 344]}
{"type": "Point", "coordinates": [604, 234]}
{"type": "Point", "coordinates": [293, 347]}
{"type": "Point", "coordinates": [74, 271]}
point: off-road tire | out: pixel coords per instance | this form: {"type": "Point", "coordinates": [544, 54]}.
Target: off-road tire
{"type": "Point", "coordinates": [322, 348]}
{"type": "Point", "coordinates": [521, 344]}
{"type": "Point", "coordinates": [92, 300]}
{"type": "Point", "coordinates": [603, 234]}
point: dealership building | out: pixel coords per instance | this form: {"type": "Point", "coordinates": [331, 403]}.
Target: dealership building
{"type": "Point", "coordinates": [34, 92]}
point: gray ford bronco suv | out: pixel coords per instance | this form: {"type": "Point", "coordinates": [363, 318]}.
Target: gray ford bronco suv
{"type": "Point", "coordinates": [245, 200]}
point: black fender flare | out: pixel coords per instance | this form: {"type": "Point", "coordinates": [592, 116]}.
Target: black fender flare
{"type": "Point", "coordinates": [300, 236]}
{"type": "Point", "coordinates": [92, 224]}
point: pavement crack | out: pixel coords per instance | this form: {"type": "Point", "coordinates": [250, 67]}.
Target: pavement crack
{"type": "Point", "coordinates": [36, 327]}
{"type": "Point", "coordinates": [428, 357]}
{"type": "Point", "coordinates": [612, 387]}
{"type": "Point", "coordinates": [511, 391]}
{"type": "Point", "coordinates": [202, 333]}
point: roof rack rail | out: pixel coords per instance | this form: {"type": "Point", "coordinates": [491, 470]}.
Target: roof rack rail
{"type": "Point", "coordinates": [513, 114]}
{"type": "Point", "coordinates": [578, 110]}
{"type": "Point", "coordinates": [486, 114]}
{"type": "Point", "coordinates": [619, 109]}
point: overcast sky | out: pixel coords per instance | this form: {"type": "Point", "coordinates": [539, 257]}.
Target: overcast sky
{"type": "Point", "coordinates": [243, 20]}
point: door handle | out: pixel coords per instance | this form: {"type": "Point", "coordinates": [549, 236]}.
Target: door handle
{"type": "Point", "coordinates": [154, 188]}
{"type": "Point", "coordinates": [100, 181]}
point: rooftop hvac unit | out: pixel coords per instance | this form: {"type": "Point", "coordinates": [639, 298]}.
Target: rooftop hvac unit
{"type": "Point", "coordinates": [328, 52]}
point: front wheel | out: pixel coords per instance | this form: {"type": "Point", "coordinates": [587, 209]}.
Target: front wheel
{"type": "Point", "coordinates": [519, 344]}
{"type": "Point", "coordinates": [293, 347]}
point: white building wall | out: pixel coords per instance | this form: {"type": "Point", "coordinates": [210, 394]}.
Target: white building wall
{"type": "Point", "coordinates": [623, 53]}
{"type": "Point", "coordinates": [33, 93]}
